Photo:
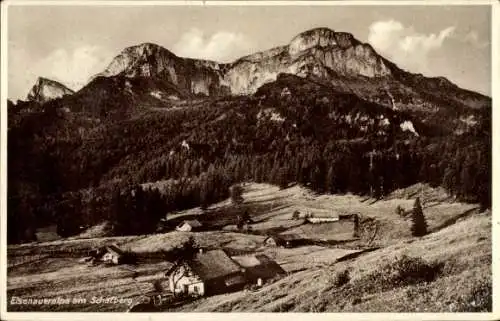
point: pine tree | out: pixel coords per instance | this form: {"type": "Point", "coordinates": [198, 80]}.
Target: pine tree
{"type": "Point", "coordinates": [419, 224]}
{"type": "Point", "coordinates": [236, 192]}
{"type": "Point", "coordinates": [282, 177]}
{"type": "Point", "coordinates": [329, 183]}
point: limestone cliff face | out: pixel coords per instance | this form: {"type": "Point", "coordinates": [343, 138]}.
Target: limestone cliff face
{"type": "Point", "coordinates": [315, 52]}
{"type": "Point", "coordinates": [45, 90]}
{"type": "Point", "coordinates": [320, 38]}
{"type": "Point", "coordinates": [336, 58]}
{"type": "Point", "coordinates": [150, 60]}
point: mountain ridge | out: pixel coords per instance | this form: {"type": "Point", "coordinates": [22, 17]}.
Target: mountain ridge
{"type": "Point", "coordinates": [148, 74]}
{"type": "Point", "coordinates": [337, 58]}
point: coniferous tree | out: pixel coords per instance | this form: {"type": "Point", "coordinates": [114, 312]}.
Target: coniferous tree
{"type": "Point", "coordinates": [282, 177]}
{"type": "Point", "coordinates": [329, 183]}
{"type": "Point", "coordinates": [418, 224]}
{"type": "Point", "coordinates": [236, 192]}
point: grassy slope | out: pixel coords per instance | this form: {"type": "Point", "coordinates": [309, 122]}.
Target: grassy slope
{"type": "Point", "coordinates": [464, 247]}
{"type": "Point", "coordinates": [462, 240]}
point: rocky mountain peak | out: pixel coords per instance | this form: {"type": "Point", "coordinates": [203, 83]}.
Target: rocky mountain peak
{"type": "Point", "coordinates": [320, 38]}
{"type": "Point", "coordinates": [147, 49]}
{"type": "Point", "coordinates": [46, 89]}
{"type": "Point", "coordinates": [145, 59]}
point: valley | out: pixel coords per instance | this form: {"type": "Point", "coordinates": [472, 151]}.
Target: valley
{"type": "Point", "coordinates": [464, 247]}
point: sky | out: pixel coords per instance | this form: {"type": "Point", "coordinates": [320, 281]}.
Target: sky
{"type": "Point", "coordinates": [71, 43]}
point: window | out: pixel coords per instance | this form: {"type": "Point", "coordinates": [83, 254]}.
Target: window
{"type": "Point", "coordinates": [196, 289]}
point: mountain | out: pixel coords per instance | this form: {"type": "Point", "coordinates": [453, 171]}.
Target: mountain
{"type": "Point", "coordinates": [336, 58]}
{"type": "Point", "coordinates": [325, 111]}
{"type": "Point", "coordinates": [320, 52]}
{"type": "Point", "coordinates": [45, 90]}
{"type": "Point", "coordinates": [190, 76]}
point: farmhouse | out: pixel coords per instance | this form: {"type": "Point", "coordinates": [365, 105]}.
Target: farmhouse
{"type": "Point", "coordinates": [189, 226]}
{"type": "Point", "coordinates": [113, 255]}
{"type": "Point", "coordinates": [284, 240]}
{"type": "Point", "coordinates": [259, 268]}
{"type": "Point", "coordinates": [206, 273]}
{"type": "Point", "coordinates": [46, 234]}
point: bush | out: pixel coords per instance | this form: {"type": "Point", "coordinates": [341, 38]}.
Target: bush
{"type": "Point", "coordinates": [341, 278]}
{"type": "Point", "coordinates": [236, 192]}
{"type": "Point", "coordinates": [296, 215]}
{"type": "Point", "coordinates": [479, 299]}
{"type": "Point", "coordinates": [401, 272]}
{"type": "Point", "coordinates": [400, 211]}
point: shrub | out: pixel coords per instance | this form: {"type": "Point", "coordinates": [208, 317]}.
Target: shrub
{"type": "Point", "coordinates": [400, 211]}
{"type": "Point", "coordinates": [236, 192]}
{"type": "Point", "coordinates": [296, 215]}
{"type": "Point", "coordinates": [409, 270]}
{"type": "Point", "coordinates": [341, 278]}
{"type": "Point", "coordinates": [479, 299]}
{"type": "Point", "coordinates": [401, 272]}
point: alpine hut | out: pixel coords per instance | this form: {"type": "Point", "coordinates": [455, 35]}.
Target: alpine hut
{"type": "Point", "coordinates": [283, 240]}
{"type": "Point", "coordinates": [189, 226]}
{"type": "Point", "coordinates": [206, 273]}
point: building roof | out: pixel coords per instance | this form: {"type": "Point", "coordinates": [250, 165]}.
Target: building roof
{"type": "Point", "coordinates": [47, 236]}
{"type": "Point", "coordinates": [47, 229]}
{"type": "Point", "coordinates": [114, 249]}
{"type": "Point", "coordinates": [259, 266]}
{"type": "Point", "coordinates": [289, 237]}
{"type": "Point", "coordinates": [285, 237]}
{"type": "Point", "coordinates": [213, 264]}
{"type": "Point", "coordinates": [322, 219]}
{"type": "Point", "coordinates": [193, 223]}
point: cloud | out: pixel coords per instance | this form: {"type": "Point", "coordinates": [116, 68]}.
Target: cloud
{"type": "Point", "coordinates": [221, 46]}
{"type": "Point", "coordinates": [384, 34]}
{"type": "Point", "coordinates": [74, 68]}
{"type": "Point", "coordinates": [404, 45]}
{"type": "Point", "coordinates": [472, 38]}
{"type": "Point", "coordinates": [71, 67]}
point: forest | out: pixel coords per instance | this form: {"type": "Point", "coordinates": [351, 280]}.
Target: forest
{"type": "Point", "coordinates": [78, 169]}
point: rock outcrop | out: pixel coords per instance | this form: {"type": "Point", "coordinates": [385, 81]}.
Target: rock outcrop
{"type": "Point", "coordinates": [316, 52]}
{"type": "Point", "coordinates": [45, 90]}
{"type": "Point", "coordinates": [153, 61]}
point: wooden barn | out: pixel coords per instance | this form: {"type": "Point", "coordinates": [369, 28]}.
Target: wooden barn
{"type": "Point", "coordinates": [189, 226]}
{"type": "Point", "coordinates": [113, 254]}
{"type": "Point", "coordinates": [46, 234]}
{"type": "Point", "coordinates": [207, 273]}
{"type": "Point", "coordinates": [284, 240]}
{"type": "Point", "coordinates": [259, 268]}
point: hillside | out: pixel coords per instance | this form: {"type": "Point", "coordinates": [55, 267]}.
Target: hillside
{"type": "Point", "coordinates": [292, 130]}
{"type": "Point", "coordinates": [462, 285]}
{"type": "Point", "coordinates": [324, 111]}
{"type": "Point", "coordinates": [460, 245]}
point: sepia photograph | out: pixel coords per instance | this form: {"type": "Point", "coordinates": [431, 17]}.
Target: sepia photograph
{"type": "Point", "coordinates": [282, 157]}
